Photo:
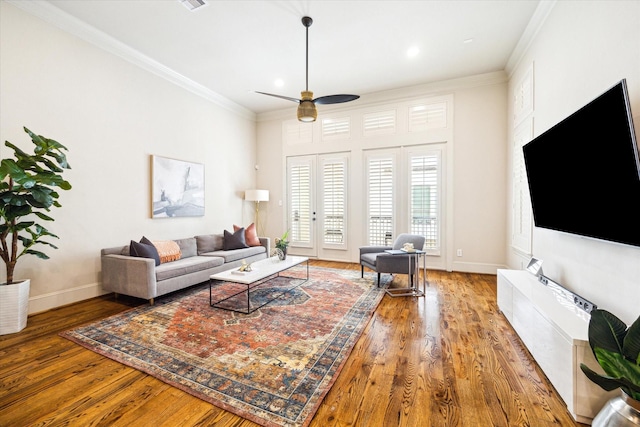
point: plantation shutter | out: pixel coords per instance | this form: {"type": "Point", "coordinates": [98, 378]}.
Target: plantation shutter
{"type": "Point", "coordinates": [424, 181]}
{"type": "Point", "coordinates": [334, 194]}
{"type": "Point", "coordinates": [380, 200]}
{"type": "Point", "coordinates": [522, 214]}
{"type": "Point", "coordinates": [300, 201]}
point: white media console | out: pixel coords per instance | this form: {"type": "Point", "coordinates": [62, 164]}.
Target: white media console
{"type": "Point", "coordinates": [555, 331]}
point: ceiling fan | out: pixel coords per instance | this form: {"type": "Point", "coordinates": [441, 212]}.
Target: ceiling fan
{"type": "Point", "coordinates": [307, 111]}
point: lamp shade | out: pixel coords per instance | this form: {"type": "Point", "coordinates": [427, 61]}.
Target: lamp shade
{"type": "Point", "coordinates": [256, 195]}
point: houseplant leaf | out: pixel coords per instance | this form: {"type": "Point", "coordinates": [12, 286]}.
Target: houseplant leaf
{"type": "Point", "coordinates": [631, 344]}
{"type": "Point", "coordinates": [606, 331]}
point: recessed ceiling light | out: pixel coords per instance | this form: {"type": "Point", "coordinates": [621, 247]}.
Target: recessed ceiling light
{"type": "Point", "coordinates": [467, 41]}
{"type": "Point", "coordinates": [279, 83]}
{"type": "Point", "coordinates": [413, 51]}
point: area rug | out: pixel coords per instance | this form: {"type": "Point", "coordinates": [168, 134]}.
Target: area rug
{"type": "Point", "coordinates": [273, 366]}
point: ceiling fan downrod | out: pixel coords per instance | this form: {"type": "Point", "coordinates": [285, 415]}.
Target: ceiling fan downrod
{"type": "Point", "coordinates": [307, 21]}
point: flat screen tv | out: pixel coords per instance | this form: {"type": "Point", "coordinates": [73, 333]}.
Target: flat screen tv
{"type": "Point", "coordinates": [584, 172]}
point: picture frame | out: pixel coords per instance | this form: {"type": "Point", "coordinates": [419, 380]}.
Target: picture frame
{"type": "Point", "coordinates": [177, 188]}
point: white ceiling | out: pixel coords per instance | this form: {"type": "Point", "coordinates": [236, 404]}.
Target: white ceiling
{"type": "Point", "coordinates": [357, 47]}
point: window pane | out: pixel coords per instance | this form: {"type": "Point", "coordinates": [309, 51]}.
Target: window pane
{"type": "Point", "coordinates": [425, 219]}
{"type": "Point", "coordinates": [380, 198]}
{"type": "Point", "coordinates": [334, 196]}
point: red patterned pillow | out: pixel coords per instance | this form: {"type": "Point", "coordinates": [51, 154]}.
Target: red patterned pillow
{"type": "Point", "coordinates": [250, 234]}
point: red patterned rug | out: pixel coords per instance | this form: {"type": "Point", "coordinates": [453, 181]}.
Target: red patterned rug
{"type": "Point", "coordinates": [273, 366]}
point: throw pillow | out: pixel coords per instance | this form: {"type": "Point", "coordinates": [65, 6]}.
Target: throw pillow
{"type": "Point", "coordinates": [156, 255]}
{"type": "Point", "coordinates": [143, 250]}
{"type": "Point", "coordinates": [234, 240]}
{"type": "Point", "coordinates": [250, 235]}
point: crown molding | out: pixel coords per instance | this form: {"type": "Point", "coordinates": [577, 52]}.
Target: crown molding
{"type": "Point", "coordinates": [536, 22]}
{"type": "Point", "coordinates": [49, 13]}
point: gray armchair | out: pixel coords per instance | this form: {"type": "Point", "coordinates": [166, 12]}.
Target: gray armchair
{"type": "Point", "coordinates": [375, 258]}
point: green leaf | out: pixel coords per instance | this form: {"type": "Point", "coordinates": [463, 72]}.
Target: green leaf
{"type": "Point", "coordinates": [631, 344]}
{"type": "Point", "coordinates": [23, 225]}
{"type": "Point", "coordinates": [617, 366]}
{"type": "Point", "coordinates": [18, 152]}
{"type": "Point", "coordinates": [43, 196]}
{"type": "Point", "coordinates": [607, 383]}
{"type": "Point", "coordinates": [606, 331]}
{"type": "Point", "coordinates": [43, 216]}
{"type": "Point", "coordinates": [9, 167]}
{"type": "Point", "coordinates": [39, 254]}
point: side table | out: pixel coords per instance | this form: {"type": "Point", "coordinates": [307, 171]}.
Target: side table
{"type": "Point", "coordinates": [413, 290]}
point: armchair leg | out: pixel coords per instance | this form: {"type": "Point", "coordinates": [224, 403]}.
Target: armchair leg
{"type": "Point", "coordinates": [361, 271]}
{"type": "Point", "coordinates": [378, 279]}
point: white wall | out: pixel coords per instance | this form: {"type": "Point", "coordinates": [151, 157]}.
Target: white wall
{"type": "Point", "coordinates": [583, 49]}
{"type": "Point", "coordinates": [111, 115]}
{"type": "Point", "coordinates": [475, 213]}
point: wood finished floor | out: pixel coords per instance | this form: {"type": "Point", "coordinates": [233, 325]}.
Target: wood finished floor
{"type": "Point", "coordinates": [448, 359]}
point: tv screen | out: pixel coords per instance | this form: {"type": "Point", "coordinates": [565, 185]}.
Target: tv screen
{"type": "Point", "coordinates": [584, 172]}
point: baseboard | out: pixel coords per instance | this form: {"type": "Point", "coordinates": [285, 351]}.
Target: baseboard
{"type": "Point", "coordinates": [51, 300]}
{"type": "Point", "coordinates": [473, 267]}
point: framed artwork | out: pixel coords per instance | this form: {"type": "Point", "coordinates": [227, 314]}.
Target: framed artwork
{"type": "Point", "coordinates": [177, 188]}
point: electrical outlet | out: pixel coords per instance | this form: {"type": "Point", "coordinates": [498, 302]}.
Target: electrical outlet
{"type": "Point", "coordinates": [459, 252]}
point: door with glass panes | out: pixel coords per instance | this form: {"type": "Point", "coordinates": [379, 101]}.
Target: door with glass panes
{"type": "Point", "coordinates": [317, 204]}
{"type": "Point", "coordinates": [404, 195]}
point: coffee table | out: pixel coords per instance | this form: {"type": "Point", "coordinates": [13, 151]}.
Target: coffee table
{"type": "Point", "coordinates": [248, 283]}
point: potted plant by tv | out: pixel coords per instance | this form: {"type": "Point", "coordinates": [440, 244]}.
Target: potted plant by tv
{"type": "Point", "coordinates": [617, 350]}
{"type": "Point", "coordinates": [28, 184]}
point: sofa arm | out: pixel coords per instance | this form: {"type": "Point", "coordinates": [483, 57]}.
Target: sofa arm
{"type": "Point", "coordinates": [129, 275]}
{"type": "Point", "coordinates": [266, 242]}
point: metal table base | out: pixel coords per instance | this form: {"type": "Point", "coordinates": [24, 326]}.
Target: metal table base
{"type": "Point", "coordinates": [413, 290]}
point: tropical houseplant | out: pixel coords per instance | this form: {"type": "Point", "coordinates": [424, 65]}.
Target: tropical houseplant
{"type": "Point", "coordinates": [28, 184]}
{"type": "Point", "coordinates": [616, 347]}
{"type": "Point", "coordinates": [281, 245]}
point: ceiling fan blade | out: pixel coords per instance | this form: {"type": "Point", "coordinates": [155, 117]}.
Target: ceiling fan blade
{"type": "Point", "coordinates": [335, 99]}
{"type": "Point", "coordinates": [281, 96]}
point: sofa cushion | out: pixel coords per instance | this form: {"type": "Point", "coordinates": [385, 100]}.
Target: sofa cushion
{"type": "Point", "coordinates": [188, 247]}
{"type": "Point", "coordinates": [237, 254]}
{"type": "Point", "coordinates": [234, 240]}
{"type": "Point", "coordinates": [250, 234]}
{"type": "Point", "coordinates": [185, 266]}
{"type": "Point", "coordinates": [144, 250]}
{"type": "Point", "coordinates": [209, 243]}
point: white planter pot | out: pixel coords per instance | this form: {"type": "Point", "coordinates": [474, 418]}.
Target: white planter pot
{"type": "Point", "coordinates": [14, 307]}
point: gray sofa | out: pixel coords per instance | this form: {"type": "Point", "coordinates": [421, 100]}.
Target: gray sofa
{"type": "Point", "coordinates": [201, 256]}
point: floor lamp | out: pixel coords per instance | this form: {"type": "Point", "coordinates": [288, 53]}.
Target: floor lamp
{"type": "Point", "coordinates": [257, 196]}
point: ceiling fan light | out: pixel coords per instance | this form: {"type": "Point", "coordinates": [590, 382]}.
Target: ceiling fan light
{"type": "Point", "coordinates": [307, 111]}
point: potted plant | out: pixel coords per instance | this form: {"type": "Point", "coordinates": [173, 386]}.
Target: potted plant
{"type": "Point", "coordinates": [27, 192]}
{"type": "Point", "coordinates": [617, 350]}
{"type": "Point", "coordinates": [281, 245]}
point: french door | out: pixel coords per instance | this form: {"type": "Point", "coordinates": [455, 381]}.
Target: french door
{"type": "Point", "coordinates": [404, 194]}
{"type": "Point", "coordinates": [317, 205]}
